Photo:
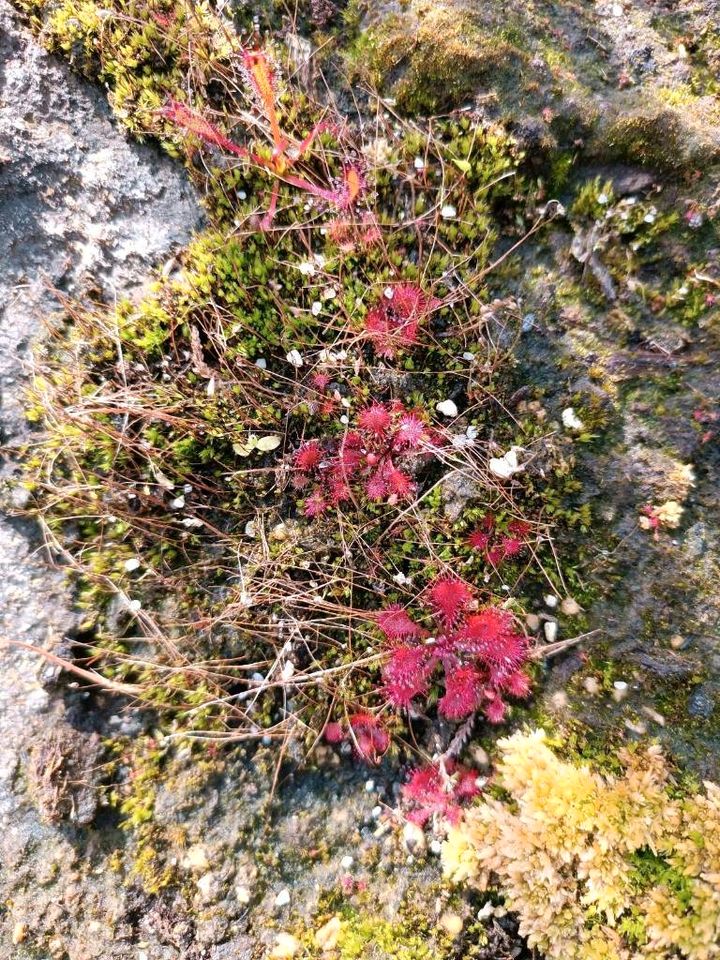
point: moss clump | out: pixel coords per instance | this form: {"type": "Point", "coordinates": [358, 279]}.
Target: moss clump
{"type": "Point", "coordinates": [142, 50]}
{"type": "Point", "coordinates": [431, 57]}
{"type": "Point", "coordinates": [367, 937]}
{"type": "Point", "coordinates": [596, 866]}
{"type": "Point", "coordinates": [660, 137]}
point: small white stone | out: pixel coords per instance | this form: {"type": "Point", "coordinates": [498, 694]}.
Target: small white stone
{"type": "Point", "coordinates": [448, 212]}
{"type": "Point", "coordinates": [419, 163]}
{"type": "Point", "coordinates": [551, 601]}
{"type": "Point", "coordinates": [178, 503]}
{"type": "Point", "coordinates": [132, 564]}
{"type": "Point", "coordinates": [435, 847]}
{"type": "Point", "coordinates": [242, 195]}
{"type": "Point", "coordinates": [559, 700]}
{"type": "Point", "coordinates": [414, 839]}
{"type": "Point", "coordinates": [283, 898]}
{"type": "Point", "coordinates": [329, 293]}
{"type": "Point", "coordinates": [134, 606]}
{"type": "Point", "coordinates": [654, 715]}
{"type": "Point", "coordinates": [307, 268]}
{"type": "Point", "coordinates": [316, 308]}
{"type": "Point", "coordinates": [485, 912]}
{"type": "Point", "coordinates": [504, 467]}
{"type": "Point", "coordinates": [261, 362]}
{"type": "Point", "coordinates": [294, 357]}
{"type": "Point", "coordinates": [369, 786]}
{"type": "Point", "coordinates": [570, 607]}
{"type": "Point", "coordinates": [286, 947]}
{"type": "Point", "coordinates": [636, 726]}
{"type": "Point", "coordinates": [346, 863]}
{"type": "Point", "coordinates": [205, 885]}
{"type": "Point", "coordinates": [376, 812]}
{"type": "Point", "coordinates": [448, 408]}
{"type": "Point", "coordinates": [191, 522]}
{"type": "Point", "coordinates": [550, 629]}
{"type": "Point", "coordinates": [288, 670]}
{"type": "Point", "coordinates": [243, 895]}
{"type": "Point", "coordinates": [187, 488]}
{"type": "Point", "coordinates": [620, 690]}
{"type": "Point", "coordinates": [389, 293]}
{"type": "Point", "coordinates": [468, 356]}
{"type": "Point", "coordinates": [471, 433]}
{"type": "Point", "coordinates": [570, 419]}
{"type": "Point", "coordinates": [250, 528]}
{"type": "Point", "coordinates": [37, 700]}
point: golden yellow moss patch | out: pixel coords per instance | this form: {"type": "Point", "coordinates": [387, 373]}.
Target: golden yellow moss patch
{"type": "Point", "coordinates": [596, 866]}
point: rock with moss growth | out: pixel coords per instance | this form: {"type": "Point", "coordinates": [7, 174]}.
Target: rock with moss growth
{"type": "Point", "coordinates": [611, 76]}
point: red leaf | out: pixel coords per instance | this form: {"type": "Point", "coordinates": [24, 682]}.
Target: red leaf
{"type": "Point", "coordinates": [399, 483]}
{"type": "Point", "coordinates": [482, 631]}
{"type": "Point", "coordinates": [449, 598]}
{"type": "Point", "coordinates": [397, 625]}
{"type": "Point", "coordinates": [462, 693]}
{"type": "Point", "coordinates": [315, 504]}
{"type": "Point", "coordinates": [519, 528]}
{"type": "Point", "coordinates": [410, 431]}
{"type": "Point", "coordinates": [517, 684]}
{"type": "Point", "coordinates": [430, 791]}
{"type": "Point", "coordinates": [406, 675]}
{"type": "Point", "coordinates": [334, 732]}
{"type": "Point", "coordinates": [478, 539]}
{"type": "Point", "coordinates": [376, 488]}
{"type": "Point", "coordinates": [393, 323]}
{"type": "Point", "coordinates": [495, 710]}
{"type": "Point", "coordinates": [308, 456]}
{"type": "Point", "coordinates": [375, 418]}
{"type": "Point", "coordinates": [371, 740]}
{"type": "Point", "coordinates": [184, 116]}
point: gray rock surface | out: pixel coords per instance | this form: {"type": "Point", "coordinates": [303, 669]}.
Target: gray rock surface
{"type": "Point", "coordinates": [81, 210]}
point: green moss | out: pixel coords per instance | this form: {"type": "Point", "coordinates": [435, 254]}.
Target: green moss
{"type": "Point", "coordinates": [140, 49]}
{"type": "Point", "coordinates": [432, 57]}
{"type": "Point", "coordinates": [660, 137]}
{"type": "Point", "coordinates": [363, 937]}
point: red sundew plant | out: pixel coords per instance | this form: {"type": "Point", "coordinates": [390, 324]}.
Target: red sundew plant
{"type": "Point", "coordinates": [439, 789]}
{"type": "Point", "coordinates": [394, 322]}
{"type": "Point", "coordinates": [322, 400]}
{"type": "Point", "coordinates": [480, 652]}
{"type": "Point", "coordinates": [350, 235]}
{"type": "Point", "coordinates": [261, 79]}
{"type": "Point", "coordinates": [370, 740]}
{"type": "Point", "coordinates": [495, 545]}
{"type": "Point", "coordinates": [365, 462]}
